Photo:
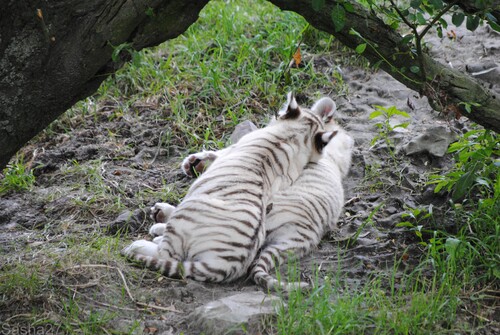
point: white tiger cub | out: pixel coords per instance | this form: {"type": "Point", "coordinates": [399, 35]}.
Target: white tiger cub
{"type": "Point", "coordinates": [303, 213]}
{"type": "Point", "coordinates": [216, 231]}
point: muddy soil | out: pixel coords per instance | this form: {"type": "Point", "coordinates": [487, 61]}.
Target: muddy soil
{"type": "Point", "coordinates": [126, 159]}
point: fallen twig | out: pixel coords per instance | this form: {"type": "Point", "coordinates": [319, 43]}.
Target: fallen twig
{"type": "Point", "coordinates": [127, 289]}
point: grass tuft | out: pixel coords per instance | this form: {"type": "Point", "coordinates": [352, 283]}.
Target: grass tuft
{"type": "Point", "coordinates": [17, 176]}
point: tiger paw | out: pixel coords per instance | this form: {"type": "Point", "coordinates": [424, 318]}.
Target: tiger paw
{"type": "Point", "coordinates": [157, 229]}
{"type": "Point", "coordinates": [193, 165]}
{"type": "Point", "coordinates": [141, 247]}
{"type": "Point", "coordinates": [161, 211]}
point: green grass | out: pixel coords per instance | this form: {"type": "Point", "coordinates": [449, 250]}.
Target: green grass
{"type": "Point", "coordinates": [458, 271]}
{"type": "Point", "coordinates": [77, 290]}
{"type": "Point", "coordinates": [219, 72]}
{"type": "Point", "coordinates": [424, 300]}
{"type": "Point", "coordinates": [17, 177]}
{"type": "Point", "coordinates": [99, 194]}
{"type": "Point", "coordinates": [21, 280]}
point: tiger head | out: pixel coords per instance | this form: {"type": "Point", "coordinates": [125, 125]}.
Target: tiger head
{"type": "Point", "coordinates": [312, 122]}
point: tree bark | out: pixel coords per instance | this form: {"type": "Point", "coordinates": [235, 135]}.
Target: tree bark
{"type": "Point", "coordinates": [54, 53]}
{"type": "Point", "coordinates": [447, 88]}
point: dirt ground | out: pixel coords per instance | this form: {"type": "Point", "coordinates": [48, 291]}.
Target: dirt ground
{"type": "Point", "coordinates": [124, 159]}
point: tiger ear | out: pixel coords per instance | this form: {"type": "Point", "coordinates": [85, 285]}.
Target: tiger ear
{"type": "Point", "coordinates": [291, 109]}
{"type": "Point", "coordinates": [325, 108]}
{"type": "Point", "coordinates": [323, 138]}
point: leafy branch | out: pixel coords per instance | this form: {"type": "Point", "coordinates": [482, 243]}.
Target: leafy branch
{"type": "Point", "coordinates": [419, 36]}
{"type": "Point", "coordinates": [361, 48]}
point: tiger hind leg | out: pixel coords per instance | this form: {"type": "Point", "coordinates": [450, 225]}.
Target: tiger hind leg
{"type": "Point", "coordinates": [270, 256]}
{"type": "Point", "coordinates": [147, 253]}
{"type": "Point", "coordinates": [143, 248]}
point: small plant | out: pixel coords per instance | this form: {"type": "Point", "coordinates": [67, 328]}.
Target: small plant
{"type": "Point", "coordinates": [372, 179]}
{"type": "Point", "coordinates": [368, 221]}
{"type": "Point", "coordinates": [415, 217]}
{"type": "Point", "coordinates": [17, 177]}
{"type": "Point", "coordinates": [477, 156]}
{"type": "Point", "coordinates": [385, 127]}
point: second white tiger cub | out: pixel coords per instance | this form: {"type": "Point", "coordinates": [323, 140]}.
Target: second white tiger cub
{"type": "Point", "coordinates": [304, 212]}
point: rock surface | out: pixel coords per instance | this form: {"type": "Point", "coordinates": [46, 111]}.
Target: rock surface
{"type": "Point", "coordinates": [434, 141]}
{"type": "Point", "coordinates": [242, 129]}
{"type": "Point", "coordinates": [128, 221]}
{"type": "Point", "coordinates": [237, 314]}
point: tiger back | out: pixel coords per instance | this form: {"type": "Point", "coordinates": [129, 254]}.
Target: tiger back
{"type": "Point", "coordinates": [216, 231]}
{"type": "Point", "coordinates": [302, 213]}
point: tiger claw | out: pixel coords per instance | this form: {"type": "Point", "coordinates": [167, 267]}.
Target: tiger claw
{"type": "Point", "coordinates": [195, 164]}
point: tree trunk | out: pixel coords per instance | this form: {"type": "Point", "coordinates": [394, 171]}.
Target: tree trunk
{"type": "Point", "coordinates": [448, 89]}
{"type": "Point", "coordinates": [54, 53]}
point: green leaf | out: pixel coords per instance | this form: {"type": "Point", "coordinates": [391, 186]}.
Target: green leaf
{"type": "Point", "coordinates": [496, 272]}
{"type": "Point", "coordinates": [361, 48]}
{"type": "Point", "coordinates": [150, 12]}
{"type": "Point", "coordinates": [136, 59]}
{"type": "Point", "coordinates": [439, 186]}
{"type": "Point", "coordinates": [338, 17]}
{"type": "Point", "coordinates": [491, 17]}
{"type": "Point", "coordinates": [349, 7]}
{"type": "Point", "coordinates": [463, 185]}
{"type": "Point", "coordinates": [375, 114]}
{"type": "Point", "coordinates": [395, 111]}
{"type": "Point", "coordinates": [407, 38]}
{"type": "Point", "coordinates": [421, 19]}
{"type": "Point", "coordinates": [438, 4]}
{"type": "Point", "coordinates": [443, 23]}
{"type": "Point", "coordinates": [494, 25]}
{"type": "Point", "coordinates": [415, 3]}
{"type": "Point", "coordinates": [439, 31]}
{"type": "Point", "coordinates": [472, 22]}
{"type": "Point", "coordinates": [468, 108]}
{"type": "Point", "coordinates": [354, 32]}
{"type": "Point", "coordinates": [483, 182]}
{"type": "Point", "coordinates": [415, 69]}
{"type": "Point", "coordinates": [451, 245]}
{"type": "Point", "coordinates": [405, 224]}
{"type": "Point", "coordinates": [318, 5]}
{"type": "Point", "coordinates": [457, 19]}
{"type": "Point", "coordinates": [401, 125]}
{"type": "Point", "coordinates": [429, 9]}
{"type": "Point", "coordinates": [115, 56]}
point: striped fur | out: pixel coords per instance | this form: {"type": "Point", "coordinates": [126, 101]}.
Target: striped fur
{"type": "Point", "coordinates": [302, 213]}
{"type": "Point", "coordinates": [216, 231]}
